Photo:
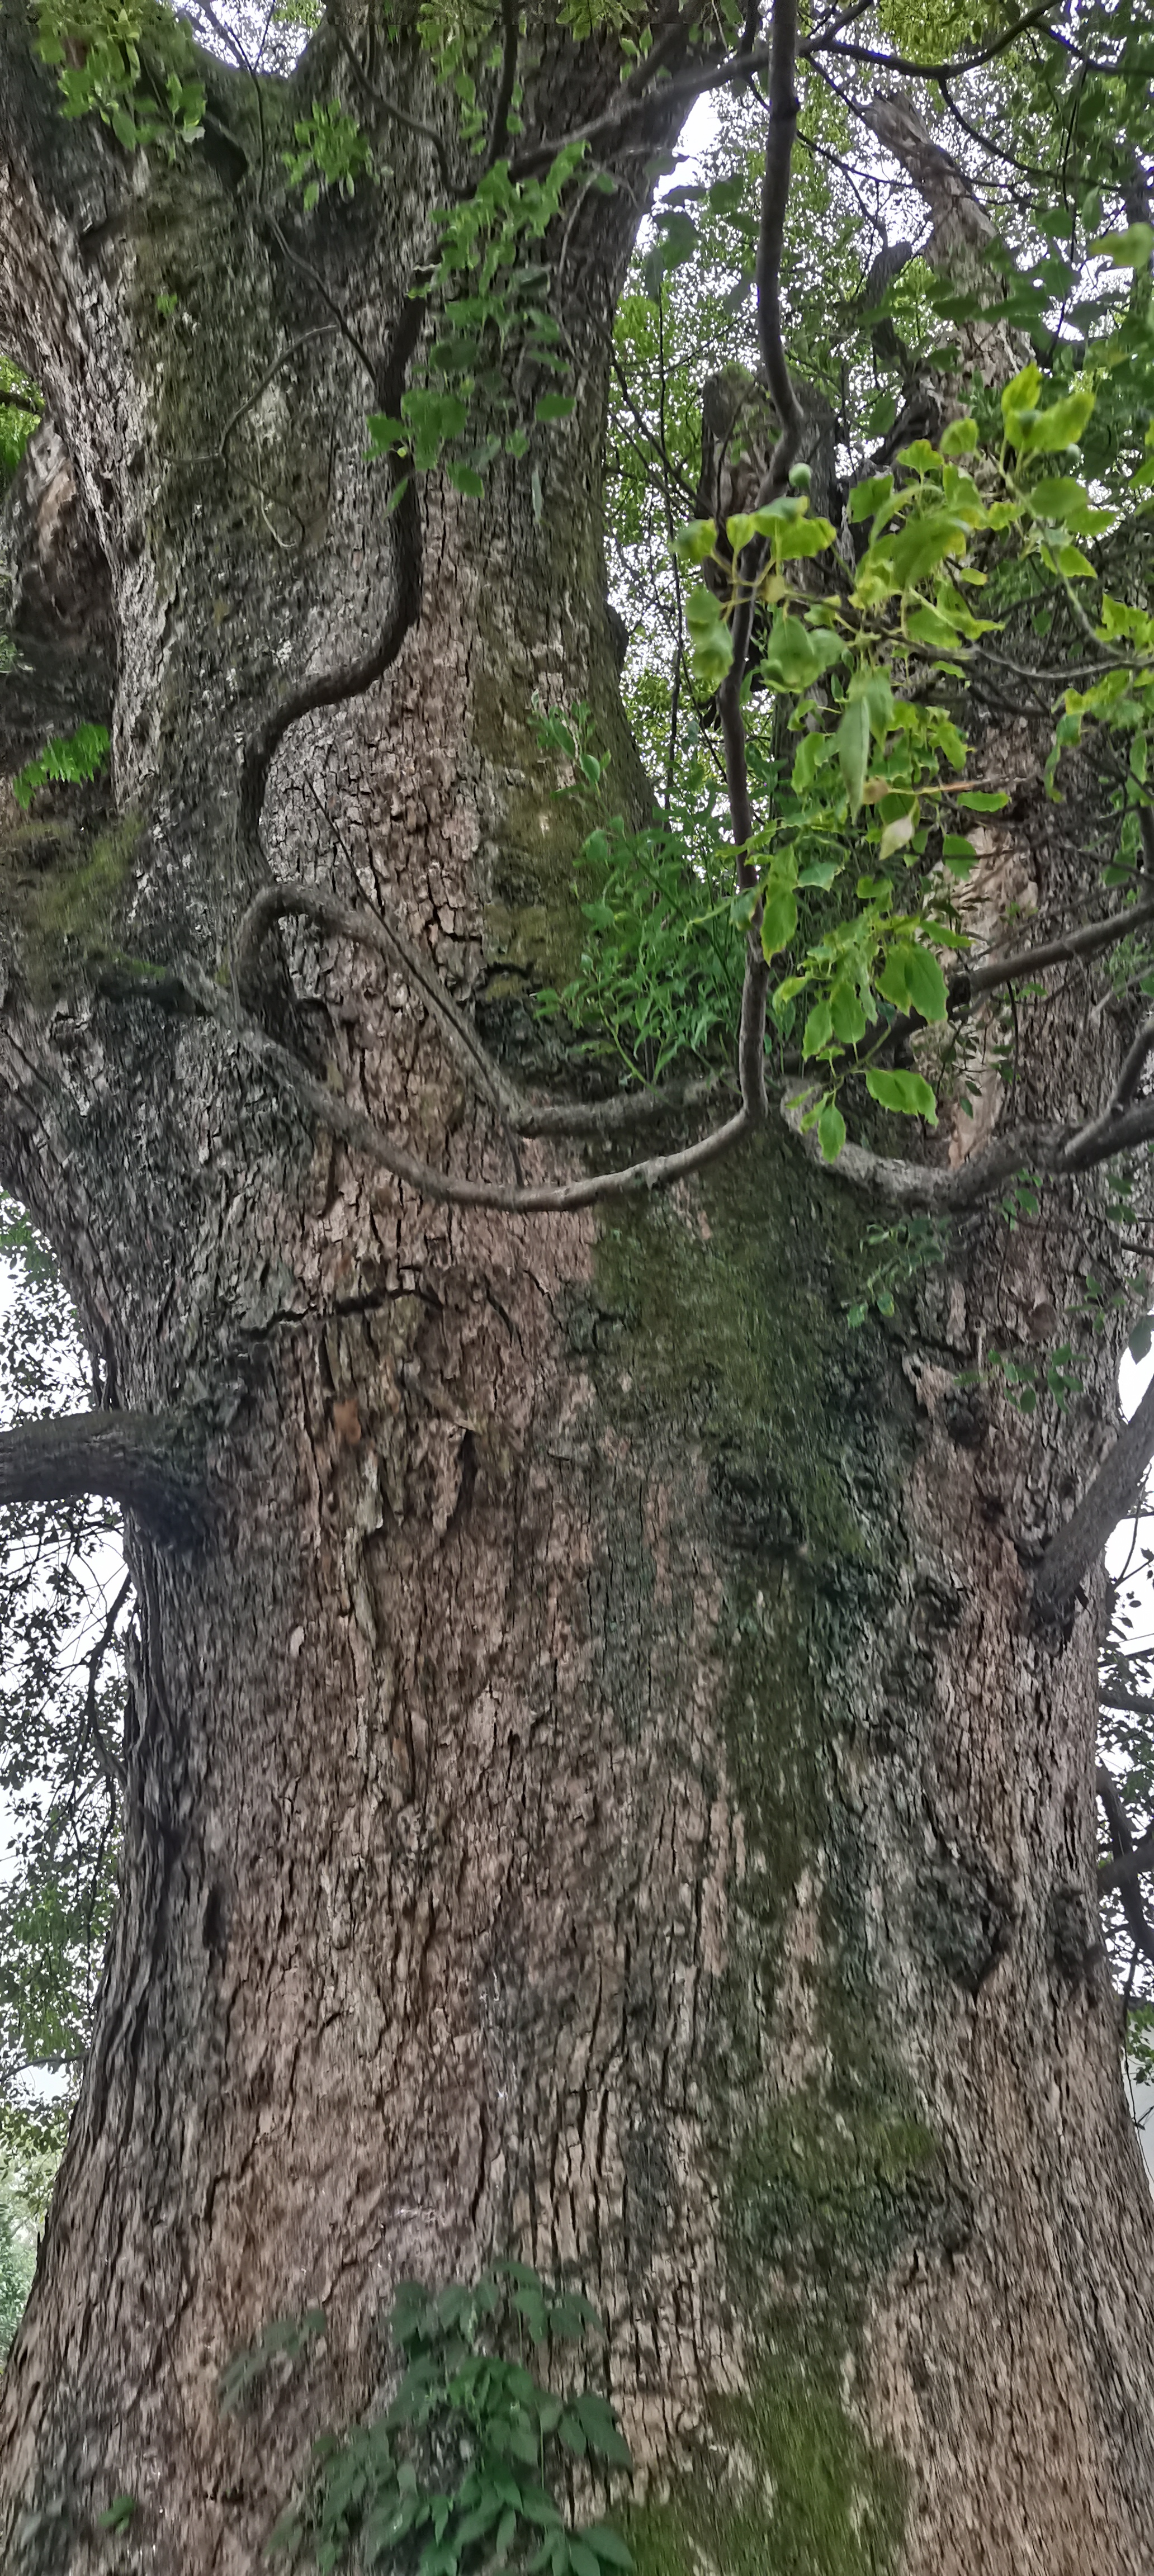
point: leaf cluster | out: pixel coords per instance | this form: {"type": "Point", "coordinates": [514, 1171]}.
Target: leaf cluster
{"type": "Point", "coordinates": [69, 759]}
{"type": "Point", "coordinates": [458, 2471]}
{"type": "Point", "coordinates": [129, 62]}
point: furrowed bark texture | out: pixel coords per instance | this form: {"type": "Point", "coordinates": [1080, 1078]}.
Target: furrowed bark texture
{"type": "Point", "coordinates": [594, 1791]}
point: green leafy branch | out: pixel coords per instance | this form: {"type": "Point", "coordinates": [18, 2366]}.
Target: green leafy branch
{"type": "Point", "coordinates": [867, 661]}
{"type": "Point", "coordinates": [661, 975]}
{"type": "Point", "coordinates": [331, 151]}
{"type": "Point", "coordinates": [130, 62]}
{"type": "Point", "coordinates": [457, 2473]}
{"type": "Point", "coordinates": [466, 406]}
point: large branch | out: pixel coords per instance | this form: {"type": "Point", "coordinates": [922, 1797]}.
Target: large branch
{"type": "Point", "coordinates": [147, 1462]}
{"type": "Point", "coordinates": [1111, 1494]}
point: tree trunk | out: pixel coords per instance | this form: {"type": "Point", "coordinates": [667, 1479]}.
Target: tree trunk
{"type": "Point", "coordinates": [594, 1790]}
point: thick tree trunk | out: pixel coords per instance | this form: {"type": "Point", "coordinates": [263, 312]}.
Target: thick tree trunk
{"type": "Point", "coordinates": [594, 1790]}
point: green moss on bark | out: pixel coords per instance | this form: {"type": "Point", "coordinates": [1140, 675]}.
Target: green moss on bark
{"type": "Point", "coordinates": [832, 2182]}
{"type": "Point", "coordinates": [65, 894]}
{"type": "Point", "coordinates": [801, 2492]}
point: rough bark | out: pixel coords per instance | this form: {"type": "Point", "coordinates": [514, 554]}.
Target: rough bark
{"type": "Point", "coordinates": [593, 1792]}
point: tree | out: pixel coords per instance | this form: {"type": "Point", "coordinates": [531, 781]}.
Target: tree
{"type": "Point", "coordinates": [609, 1768]}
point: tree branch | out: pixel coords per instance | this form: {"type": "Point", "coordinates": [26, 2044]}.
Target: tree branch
{"type": "Point", "coordinates": [948, 70]}
{"type": "Point", "coordinates": [510, 41]}
{"type": "Point", "coordinates": [382, 932]}
{"type": "Point", "coordinates": [1123, 1872]}
{"type": "Point", "coordinates": [147, 1462]}
{"type": "Point", "coordinates": [1088, 942]}
{"type": "Point", "coordinates": [1109, 1495]}
{"type": "Point", "coordinates": [444, 1188]}
{"type": "Point", "coordinates": [783, 115]}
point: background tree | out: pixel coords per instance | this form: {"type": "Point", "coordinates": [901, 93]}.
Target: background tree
{"type": "Point", "coordinates": [609, 1773]}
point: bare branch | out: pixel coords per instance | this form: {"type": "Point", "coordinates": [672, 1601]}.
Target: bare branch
{"type": "Point", "coordinates": [640, 95]}
{"type": "Point", "coordinates": [1108, 1497]}
{"type": "Point", "coordinates": [948, 70]}
{"type": "Point", "coordinates": [332, 688]}
{"type": "Point", "coordinates": [147, 1462]}
{"type": "Point", "coordinates": [444, 1188]}
{"type": "Point", "coordinates": [783, 115]}
{"type": "Point", "coordinates": [1118, 1701]}
{"type": "Point", "coordinates": [1089, 942]}
{"type": "Point", "coordinates": [388, 106]}
{"type": "Point", "coordinates": [382, 932]}
{"type": "Point", "coordinates": [111, 1766]}
{"type": "Point", "coordinates": [926, 1185]}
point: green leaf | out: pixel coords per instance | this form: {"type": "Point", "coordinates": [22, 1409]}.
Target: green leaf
{"type": "Point", "coordinates": [778, 921]}
{"type": "Point", "coordinates": [601, 2429]}
{"type": "Point", "coordinates": [120, 2513]}
{"type": "Point", "coordinates": [923, 544]}
{"type": "Point", "coordinates": [694, 543]}
{"type": "Point", "coordinates": [905, 1092]}
{"type": "Point", "coordinates": [830, 1131]}
{"type": "Point", "coordinates": [1020, 401]}
{"type": "Point", "coordinates": [818, 1029]}
{"type": "Point", "coordinates": [930, 626]}
{"type": "Point", "coordinates": [959, 855]}
{"type": "Point", "coordinates": [1061, 426]}
{"type": "Point", "coordinates": [960, 439]}
{"type": "Point", "coordinates": [846, 1012]}
{"type": "Point", "coordinates": [609, 2545]}
{"type": "Point", "coordinates": [466, 479]}
{"type": "Point", "coordinates": [869, 496]}
{"type": "Point", "coordinates": [853, 749]}
{"type": "Point", "coordinates": [806, 537]}
{"type": "Point", "coordinates": [1132, 249]}
{"type": "Point", "coordinates": [896, 836]}
{"type": "Point", "coordinates": [795, 655]}
{"type": "Point", "coordinates": [983, 800]}
{"type": "Point", "coordinates": [554, 407]}
{"type": "Point", "coordinates": [710, 639]}
{"type": "Point", "coordinates": [925, 983]}
{"type": "Point", "coordinates": [1061, 497]}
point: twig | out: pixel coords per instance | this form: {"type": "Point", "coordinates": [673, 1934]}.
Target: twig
{"type": "Point", "coordinates": [112, 1769]}
{"type": "Point", "coordinates": [382, 933]}
{"type": "Point", "coordinates": [332, 688]}
{"type": "Point", "coordinates": [783, 115]}
{"type": "Point", "coordinates": [344, 326]}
